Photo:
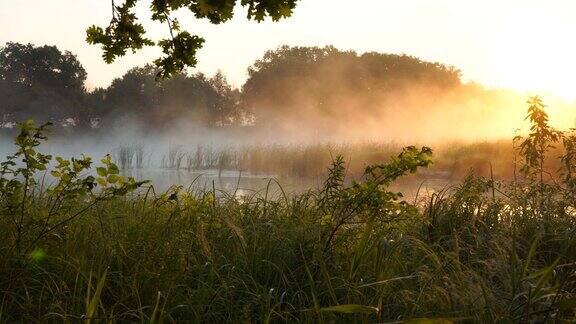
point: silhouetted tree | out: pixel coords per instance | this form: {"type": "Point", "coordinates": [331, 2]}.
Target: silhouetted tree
{"type": "Point", "coordinates": [319, 85]}
{"type": "Point", "coordinates": [136, 95]}
{"type": "Point", "coordinates": [188, 98]}
{"type": "Point", "coordinates": [41, 83]}
{"type": "Point", "coordinates": [226, 109]}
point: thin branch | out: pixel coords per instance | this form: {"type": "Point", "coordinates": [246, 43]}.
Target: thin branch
{"type": "Point", "coordinates": [169, 22]}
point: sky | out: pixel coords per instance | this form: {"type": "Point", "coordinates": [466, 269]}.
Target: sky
{"type": "Point", "coordinates": [526, 45]}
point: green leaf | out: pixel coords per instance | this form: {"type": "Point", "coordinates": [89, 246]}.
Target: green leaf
{"type": "Point", "coordinates": [93, 305]}
{"type": "Point", "coordinates": [101, 171]}
{"type": "Point", "coordinates": [107, 159]}
{"type": "Point", "coordinates": [113, 178]}
{"type": "Point", "coordinates": [113, 169]}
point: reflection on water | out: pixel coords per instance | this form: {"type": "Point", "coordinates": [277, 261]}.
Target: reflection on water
{"type": "Point", "coordinates": [245, 183]}
{"type": "Point", "coordinates": [229, 182]}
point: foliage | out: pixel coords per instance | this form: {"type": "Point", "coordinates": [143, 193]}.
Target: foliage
{"type": "Point", "coordinates": [541, 139]}
{"type": "Point", "coordinates": [290, 86]}
{"type": "Point", "coordinates": [536, 147]}
{"type": "Point", "coordinates": [70, 197]}
{"type": "Point", "coordinates": [349, 252]}
{"type": "Point", "coordinates": [314, 84]}
{"type": "Point", "coordinates": [368, 200]}
{"type": "Point", "coordinates": [41, 83]}
{"type": "Point", "coordinates": [47, 85]}
{"type": "Point", "coordinates": [125, 32]}
{"type": "Point", "coordinates": [138, 97]}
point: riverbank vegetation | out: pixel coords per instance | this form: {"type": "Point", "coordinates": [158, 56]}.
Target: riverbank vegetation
{"type": "Point", "coordinates": [107, 248]}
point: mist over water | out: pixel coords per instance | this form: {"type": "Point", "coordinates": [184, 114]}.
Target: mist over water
{"type": "Point", "coordinates": [415, 116]}
{"type": "Point", "coordinates": [298, 110]}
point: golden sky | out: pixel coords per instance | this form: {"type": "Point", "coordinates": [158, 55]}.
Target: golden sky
{"type": "Point", "coordinates": [527, 45]}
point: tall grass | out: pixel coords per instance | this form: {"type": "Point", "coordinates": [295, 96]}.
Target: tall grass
{"type": "Point", "coordinates": [462, 255]}
{"type": "Point", "coordinates": [130, 156]}
{"type": "Point", "coordinates": [483, 251]}
{"type": "Point", "coordinates": [139, 155]}
{"type": "Point", "coordinates": [285, 161]}
{"type": "Point", "coordinates": [308, 161]}
{"type": "Point", "coordinates": [173, 158]}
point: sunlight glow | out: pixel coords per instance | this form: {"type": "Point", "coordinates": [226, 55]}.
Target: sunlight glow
{"type": "Point", "coordinates": [532, 54]}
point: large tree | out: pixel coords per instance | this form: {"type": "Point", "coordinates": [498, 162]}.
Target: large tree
{"type": "Point", "coordinates": [41, 83]}
{"type": "Point", "coordinates": [300, 83]}
{"type": "Point", "coordinates": [124, 32]}
{"type": "Point", "coordinates": [194, 98]}
{"type": "Point", "coordinates": [135, 94]}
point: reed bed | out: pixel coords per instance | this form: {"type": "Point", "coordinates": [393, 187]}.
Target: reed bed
{"type": "Point", "coordinates": [130, 156]}
{"type": "Point", "coordinates": [452, 161]}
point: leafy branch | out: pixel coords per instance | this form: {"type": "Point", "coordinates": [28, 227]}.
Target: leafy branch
{"type": "Point", "coordinates": [18, 184]}
{"type": "Point", "coordinates": [124, 32]}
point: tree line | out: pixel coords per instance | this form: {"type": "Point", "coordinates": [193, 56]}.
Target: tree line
{"type": "Point", "coordinates": [47, 84]}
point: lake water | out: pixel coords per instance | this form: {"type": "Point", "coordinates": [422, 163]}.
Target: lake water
{"type": "Point", "coordinates": [244, 183]}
